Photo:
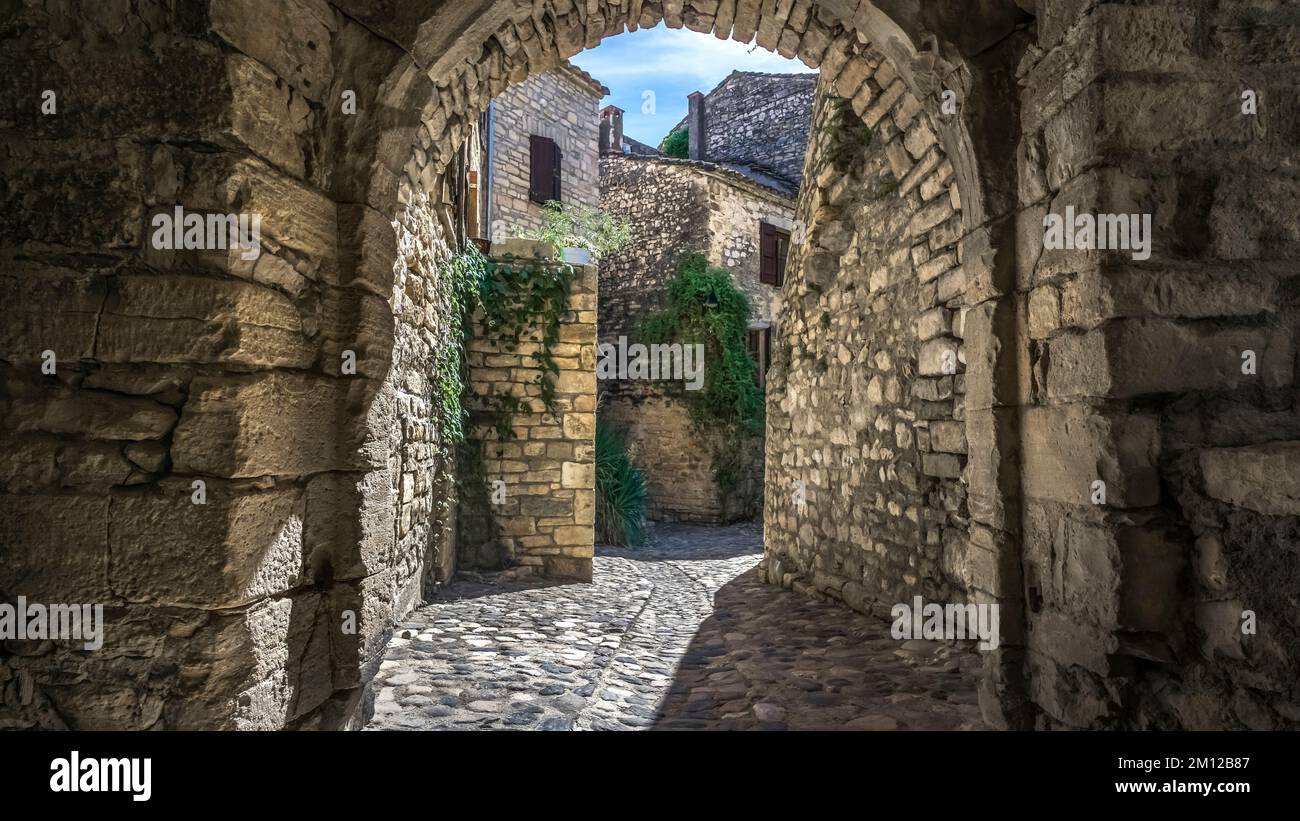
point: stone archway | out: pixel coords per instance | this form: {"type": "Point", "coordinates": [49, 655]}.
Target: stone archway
{"type": "Point", "coordinates": [447, 70]}
{"type": "Point", "coordinates": [328, 492]}
{"type": "Point", "coordinates": [326, 496]}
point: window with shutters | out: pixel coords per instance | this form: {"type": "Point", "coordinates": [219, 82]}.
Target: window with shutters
{"type": "Point", "coordinates": [545, 165]}
{"type": "Point", "coordinates": [774, 248]}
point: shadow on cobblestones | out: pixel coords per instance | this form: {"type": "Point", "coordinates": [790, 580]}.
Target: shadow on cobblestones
{"type": "Point", "coordinates": [771, 659]}
{"type": "Point", "coordinates": [679, 634]}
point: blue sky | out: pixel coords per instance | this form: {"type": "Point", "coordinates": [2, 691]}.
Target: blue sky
{"type": "Point", "coordinates": [671, 63]}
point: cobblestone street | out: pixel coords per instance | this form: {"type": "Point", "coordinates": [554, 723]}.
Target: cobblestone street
{"type": "Point", "coordinates": [677, 634]}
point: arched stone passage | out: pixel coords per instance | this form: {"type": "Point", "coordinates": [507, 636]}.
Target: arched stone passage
{"type": "Point", "coordinates": [469, 71]}
{"type": "Point", "coordinates": [329, 495]}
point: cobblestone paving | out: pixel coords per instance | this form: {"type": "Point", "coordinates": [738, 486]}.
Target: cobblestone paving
{"type": "Point", "coordinates": [678, 634]}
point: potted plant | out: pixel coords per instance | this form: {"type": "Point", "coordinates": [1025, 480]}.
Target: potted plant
{"type": "Point", "coordinates": [582, 234]}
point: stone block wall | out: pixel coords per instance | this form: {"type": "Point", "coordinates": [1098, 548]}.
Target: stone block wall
{"type": "Point", "coordinates": [1135, 368]}
{"type": "Point", "coordinates": [564, 105]}
{"type": "Point", "coordinates": [760, 121]}
{"type": "Point", "coordinates": [866, 435]}
{"type": "Point", "coordinates": [679, 461]}
{"type": "Point", "coordinates": [544, 521]}
{"type": "Point", "coordinates": [325, 491]}
{"type": "Point", "coordinates": [736, 209]}
{"type": "Point", "coordinates": [669, 215]}
{"type": "Point", "coordinates": [677, 207]}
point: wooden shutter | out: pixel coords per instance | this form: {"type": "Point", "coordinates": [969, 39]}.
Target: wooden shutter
{"type": "Point", "coordinates": [782, 255]}
{"type": "Point", "coordinates": [767, 262]}
{"type": "Point", "coordinates": [541, 168]}
{"type": "Point", "coordinates": [557, 164]}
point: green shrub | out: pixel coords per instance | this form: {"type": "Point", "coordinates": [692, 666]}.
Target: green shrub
{"type": "Point", "coordinates": [678, 144]}
{"type": "Point", "coordinates": [731, 396]}
{"type": "Point", "coordinates": [620, 491]}
{"type": "Point", "coordinates": [731, 403]}
{"type": "Point", "coordinates": [568, 225]}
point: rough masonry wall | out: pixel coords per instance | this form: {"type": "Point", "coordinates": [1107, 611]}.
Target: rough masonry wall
{"type": "Point", "coordinates": [562, 106]}
{"type": "Point", "coordinates": [667, 209]}
{"type": "Point", "coordinates": [760, 121]}
{"type": "Point", "coordinates": [736, 210]}
{"type": "Point", "coordinates": [866, 445]}
{"type": "Point", "coordinates": [1136, 368]}
{"type": "Point", "coordinates": [176, 367]}
{"type": "Point", "coordinates": [676, 207]}
{"type": "Point", "coordinates": [225, 616]}
{"type": "Point", "coordinates": [544, 519]}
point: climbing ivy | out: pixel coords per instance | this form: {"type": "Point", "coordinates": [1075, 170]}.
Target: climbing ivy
{"type": "Point", "coordinates": [517, 302]}
{"type": "Point", "coordinates": [463, 276]}
{"type": "Point", "coordinates": [524, 302]}
{"type": "Point", "coordinates": [730, 402]}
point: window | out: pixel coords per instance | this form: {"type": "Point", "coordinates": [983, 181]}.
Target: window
{"type": "Point", "coordinates": [759, 343]}
{"type": "Point", "coordinates": [774, 248]}
{"type": "Point", "coordinates": [544, 163]}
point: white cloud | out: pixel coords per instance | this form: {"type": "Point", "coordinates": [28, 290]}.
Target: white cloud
{"type": "Point", "coordinates": [671, 63]}
{"type": "Point", "coordinates": [680, 56]}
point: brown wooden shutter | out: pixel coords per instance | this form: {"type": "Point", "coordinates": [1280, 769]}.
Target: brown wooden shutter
{"type": "Point", "coordinates": [557, 164]}
{"type": "Point", "coordinates": [782, 255]}
{"type": "Point", "coordinates": [541, 170]}
{"type": "Point", "coordinates": [767, 262]}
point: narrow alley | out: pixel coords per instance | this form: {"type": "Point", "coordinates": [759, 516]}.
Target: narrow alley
{"type": "Point", "coordinates": [679, 634]}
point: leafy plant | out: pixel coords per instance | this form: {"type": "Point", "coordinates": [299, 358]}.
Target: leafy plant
{"type": "Point", "coordinates": [525, 302]}
{"type": "Point", "coordinates": [730, 395]}
{"type": "Point", "coordinates": [567, 225]}
{"type": "Point", "coordinates": [620, 490]}
{"type": "Point", "coordinates": [730, 402]}
{"type": "Point", "coordinates": [677, 144]}
{"type": "Point", "coordinates": [463, 277]}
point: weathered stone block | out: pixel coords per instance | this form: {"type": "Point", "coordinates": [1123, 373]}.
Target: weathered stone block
{"type": "Point", "coordinates": [1067, 448]}
{"type": "Point", "coordinates": [53, 549]}
{"type": "Point", "coordinates": [298, 51]}
{"type": "Point", "coordinates": [272, 424]}
{"type": "Point", "coordinates": [1134, 357]}
{"type": "Point", "coordinates": [1262, 478]}
{"type": "Point", "coordinates": [184, 319]}
{"type": "Point", "coordinates": [237, 548]}
{"type": "Point", "coordinates": [93, 414]}
{"type": "Point", "coordinates": [948, 437]}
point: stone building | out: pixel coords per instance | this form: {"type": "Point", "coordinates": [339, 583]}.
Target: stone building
{"type": "Point", "coordinates": [754, 122]}
{"type": "Point", "coordinates": [733, 200]}
{"type": "Point", "coordinates": [541, 145]}
{"type": "Point", "coordinates": [949, 387]}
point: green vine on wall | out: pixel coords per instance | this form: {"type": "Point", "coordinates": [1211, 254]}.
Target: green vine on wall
{"type": "Point", "coordinates": [464, 275]}
{"type": "Point", "coordinates": [730, 402]}
{"type": "Point", "coordinates": [517, 302]}
{"type": "Point", "coordinates": [524, 302]}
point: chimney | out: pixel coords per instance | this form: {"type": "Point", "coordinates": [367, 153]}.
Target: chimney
{"type": "Point", "coordinates": [611, 130]}
{"type": "Point", "coordinates": [695, 124]}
